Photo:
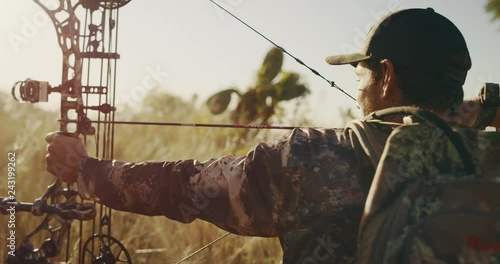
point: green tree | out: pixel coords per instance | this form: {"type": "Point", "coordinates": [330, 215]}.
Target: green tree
{"type": "Point", "coordinates": [260, 102]}
{"type": "Point", "coordinates": [493, 6]}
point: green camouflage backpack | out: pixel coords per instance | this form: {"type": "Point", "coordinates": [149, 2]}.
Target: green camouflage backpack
{"type": "Point", "coordinates": [435, 194]}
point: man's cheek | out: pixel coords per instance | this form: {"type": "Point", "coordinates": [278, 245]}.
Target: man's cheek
{"type": "Point", "coordinates": [362, 98]}
{"type": "Point", "coordinates": [359, 101]}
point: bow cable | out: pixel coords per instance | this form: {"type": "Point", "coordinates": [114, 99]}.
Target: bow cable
{"type": "Point", "coordinates": [331, 83]}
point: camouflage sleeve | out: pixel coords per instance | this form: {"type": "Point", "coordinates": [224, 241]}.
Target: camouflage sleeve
{"type": "Point", "coordinates": [233, 192]}
{"type": "Point", "coordinates": [247, 195]}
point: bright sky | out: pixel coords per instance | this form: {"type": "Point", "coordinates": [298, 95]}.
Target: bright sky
{"type": "Point", "coordinates": [204, 50]}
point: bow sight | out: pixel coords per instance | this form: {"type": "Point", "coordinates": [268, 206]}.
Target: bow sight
{"type": "Point", "coordinates": [35, 91]}
{"type": "Point", "coordinates": [31, 91]}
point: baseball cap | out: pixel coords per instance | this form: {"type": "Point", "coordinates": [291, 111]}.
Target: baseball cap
{"type": "Point", "coordinates": [418, 38]}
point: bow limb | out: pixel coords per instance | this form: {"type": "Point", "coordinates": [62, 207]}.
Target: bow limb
{"type": "Point", "coordinates": [84, 46]}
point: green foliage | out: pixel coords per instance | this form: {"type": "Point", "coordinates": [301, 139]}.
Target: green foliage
{"type": "Point", "coordinates": [493, 6]}
{"type": "Point", "coordinates": [219, 102]}
{"type": "Point", "coordinates": [288, 87]}
{"type": "Point", "coordinates": [271, 66]}
{"type": "Point", "coordinates": [262, 101]}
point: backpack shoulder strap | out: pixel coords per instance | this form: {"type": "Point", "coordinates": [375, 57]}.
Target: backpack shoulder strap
{"type": "Point", "coordinates": [368, 142]}
{"type": "Point", "coordinates": [366, 137]}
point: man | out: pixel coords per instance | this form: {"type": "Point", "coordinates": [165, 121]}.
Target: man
{"type": "Point", "coordinates": [304, 189]}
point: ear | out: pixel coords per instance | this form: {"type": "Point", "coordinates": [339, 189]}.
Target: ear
{"type": "Point", "coordinates": [389, 85]}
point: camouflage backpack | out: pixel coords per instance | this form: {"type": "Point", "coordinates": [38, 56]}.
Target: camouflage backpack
{"type": "Point", "coordinates": [435, 194]}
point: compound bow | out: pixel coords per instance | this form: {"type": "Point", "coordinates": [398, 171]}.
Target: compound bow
{"type": "Point", "coordinates": [85, 47]}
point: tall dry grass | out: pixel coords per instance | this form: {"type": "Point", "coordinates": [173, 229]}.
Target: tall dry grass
{"type": "Point", "coordinates": [23, 130]}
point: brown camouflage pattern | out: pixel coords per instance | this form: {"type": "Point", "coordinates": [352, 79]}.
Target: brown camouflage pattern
{"type": "Point", "coordinates": [421, 157]}
{"type": "Point", "coordinates": [302, 188]}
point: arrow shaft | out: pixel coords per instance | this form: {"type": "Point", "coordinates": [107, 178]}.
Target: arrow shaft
{"type": "Point", "coordinates": [193, 124]}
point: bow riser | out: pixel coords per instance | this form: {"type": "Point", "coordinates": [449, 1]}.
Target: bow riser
{"type": "Point", "coordinates": [87, 84]}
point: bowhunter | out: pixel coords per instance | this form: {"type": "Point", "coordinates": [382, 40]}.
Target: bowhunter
{"type": "Point", "coordinates": [309, 189]}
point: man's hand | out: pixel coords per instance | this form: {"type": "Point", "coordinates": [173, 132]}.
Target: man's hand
{"type": "Point", "coordinates": [64, 154]}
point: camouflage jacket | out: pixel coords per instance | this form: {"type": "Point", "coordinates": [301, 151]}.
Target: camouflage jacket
{"type": "Point", "coordinates": [303, 188]}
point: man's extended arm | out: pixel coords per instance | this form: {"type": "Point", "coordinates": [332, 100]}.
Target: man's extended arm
{"type": "Point", "coordinates": [233, 192]}
{"type": "Point", "coordinates": [273, 188]}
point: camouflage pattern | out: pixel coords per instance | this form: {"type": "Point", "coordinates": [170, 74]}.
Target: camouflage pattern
{"type": "Point", "coordinates": [418, 176]}
{"type": "Point", "coordinates": [302, 188]}
{"type": "Point", "coordinates": [309, 189]}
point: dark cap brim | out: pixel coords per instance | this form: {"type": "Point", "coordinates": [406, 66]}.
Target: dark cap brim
{"type": "Point", "coordinates": [352, 59]}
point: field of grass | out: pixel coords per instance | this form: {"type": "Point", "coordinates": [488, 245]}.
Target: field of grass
{"type": "Point", "coordinates": [23, 130]}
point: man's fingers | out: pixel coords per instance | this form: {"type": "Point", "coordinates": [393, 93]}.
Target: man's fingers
{"type": "Point", "coordinates": [81, 149]}
{"type": "Point", "coordinates": [61, 171]}
{"type": "Point", "coordinates": [60, 144]}
{"type": "Point", "coordinates": [50, 148]}
{"type": "Point", "coordinates": [64, 154]}
{"type": "Point", "coordinates": [50, 137]}
{"type": "Point", "coordinates": [49, 164]}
